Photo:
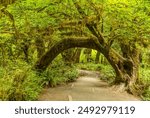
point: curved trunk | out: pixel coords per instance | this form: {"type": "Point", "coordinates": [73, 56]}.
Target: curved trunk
{"type": "Point", "coordinates": [126, 69]}
{"type": "Point", "coordinates": [60, 46]}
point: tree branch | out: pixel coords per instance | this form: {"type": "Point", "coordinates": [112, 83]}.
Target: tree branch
{"type": "Point", "coordinates": [91, 26]}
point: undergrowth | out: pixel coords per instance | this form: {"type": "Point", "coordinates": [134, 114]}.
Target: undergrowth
{"type": "Point", "coordinates": [145, 77]}
{"type": "Point", "coordinates": [59, 73]}
{"type": "Point", "coordinates": [19, 82]}
{"type": "Point", "coordinates": [106, 71]}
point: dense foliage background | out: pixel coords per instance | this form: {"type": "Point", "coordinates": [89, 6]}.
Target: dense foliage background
{"type": "Point", "coordinates": [29, 28]}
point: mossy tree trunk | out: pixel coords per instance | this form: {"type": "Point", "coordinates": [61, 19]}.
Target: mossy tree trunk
{"type": "Point", "coordinates": [61, 46]}
{"type": "Point", "coordinates": [88, 52]}
{"type": "Point", "coordinates": [40, 46]}
{"type": "Point", "coordinates": [126, 65]}
{"type": "Point", "coordinates": [25, 48]}
{"type": "Point", "coordinates": [71, 55]}
{"type": "Point", "coordinates": [126, 69]}
{"type": "Point", "coordinates": [7, 2]}
{"type": "Point", "coordinates": [77, 55]}
{"type": "Point", "coordinates": [97, 57]}
{"type": "Point", "coordinates": [67, 55]}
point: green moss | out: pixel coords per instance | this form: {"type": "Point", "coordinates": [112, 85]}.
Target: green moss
{"type": "Point", "coordinates": [20, 84]}
{"type": "Point", "coordinates": [145, 78]}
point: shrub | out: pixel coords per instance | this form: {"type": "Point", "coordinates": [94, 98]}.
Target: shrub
{"type": "Point", "coordinates": [106, 71]}
{"type": "Point", "coordinates": [56, 75]}
{"type": "Point", "coordinates": [145, 78]}
{"type": "Point", "coordinates": [89, 66]}
{"type": "Point", "coordinates": [71, 75]}
{"type": "Point", "coordinates": [20, 85]}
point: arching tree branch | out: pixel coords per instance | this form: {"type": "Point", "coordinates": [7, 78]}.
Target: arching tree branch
{"type": "Point", "coordinates": [62, 45]}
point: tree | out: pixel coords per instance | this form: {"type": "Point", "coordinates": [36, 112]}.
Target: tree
{"type": "Point", "coordinates": [125, 26]}
{"type": "Point", "coordinates": [116, 29]}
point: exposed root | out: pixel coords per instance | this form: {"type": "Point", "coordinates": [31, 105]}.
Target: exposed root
{"type": "Point", "coordinates": [119, 88]}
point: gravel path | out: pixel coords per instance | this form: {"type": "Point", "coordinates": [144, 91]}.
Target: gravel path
{"type": "Point", "coordinates": [87, 88]}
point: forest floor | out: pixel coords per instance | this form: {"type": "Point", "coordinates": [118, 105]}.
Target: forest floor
{"type": "Point", "coordinates": [88, 87]}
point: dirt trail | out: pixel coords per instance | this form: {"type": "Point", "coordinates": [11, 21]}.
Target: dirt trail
{"type": "Point", "coordinates": [87, 88]}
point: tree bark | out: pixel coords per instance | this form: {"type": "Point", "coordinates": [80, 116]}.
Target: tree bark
{"type": "Point", "coordinates": [126, 69]}
{"type": "Point", "coordinates": [67, 55]}
{"type": "Point", "coordinates": [77, 55]}
{"type": "Point", "coordinates": [4, 64]}
{"type": "Point", "coordinates": [62, 45]}
{"type": "Point", "coordinates": [88, 52]}
{"type": "Point", "coordinates": [7, 2]}
{"type": "Point", "coordinates": [125, 65]}
{"type": "Point", "coordinates": [40, 47]}
{"type": "Point", "coordinates": [25, 48]}
{"type": "Point", "coordinates": [97, 57]}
